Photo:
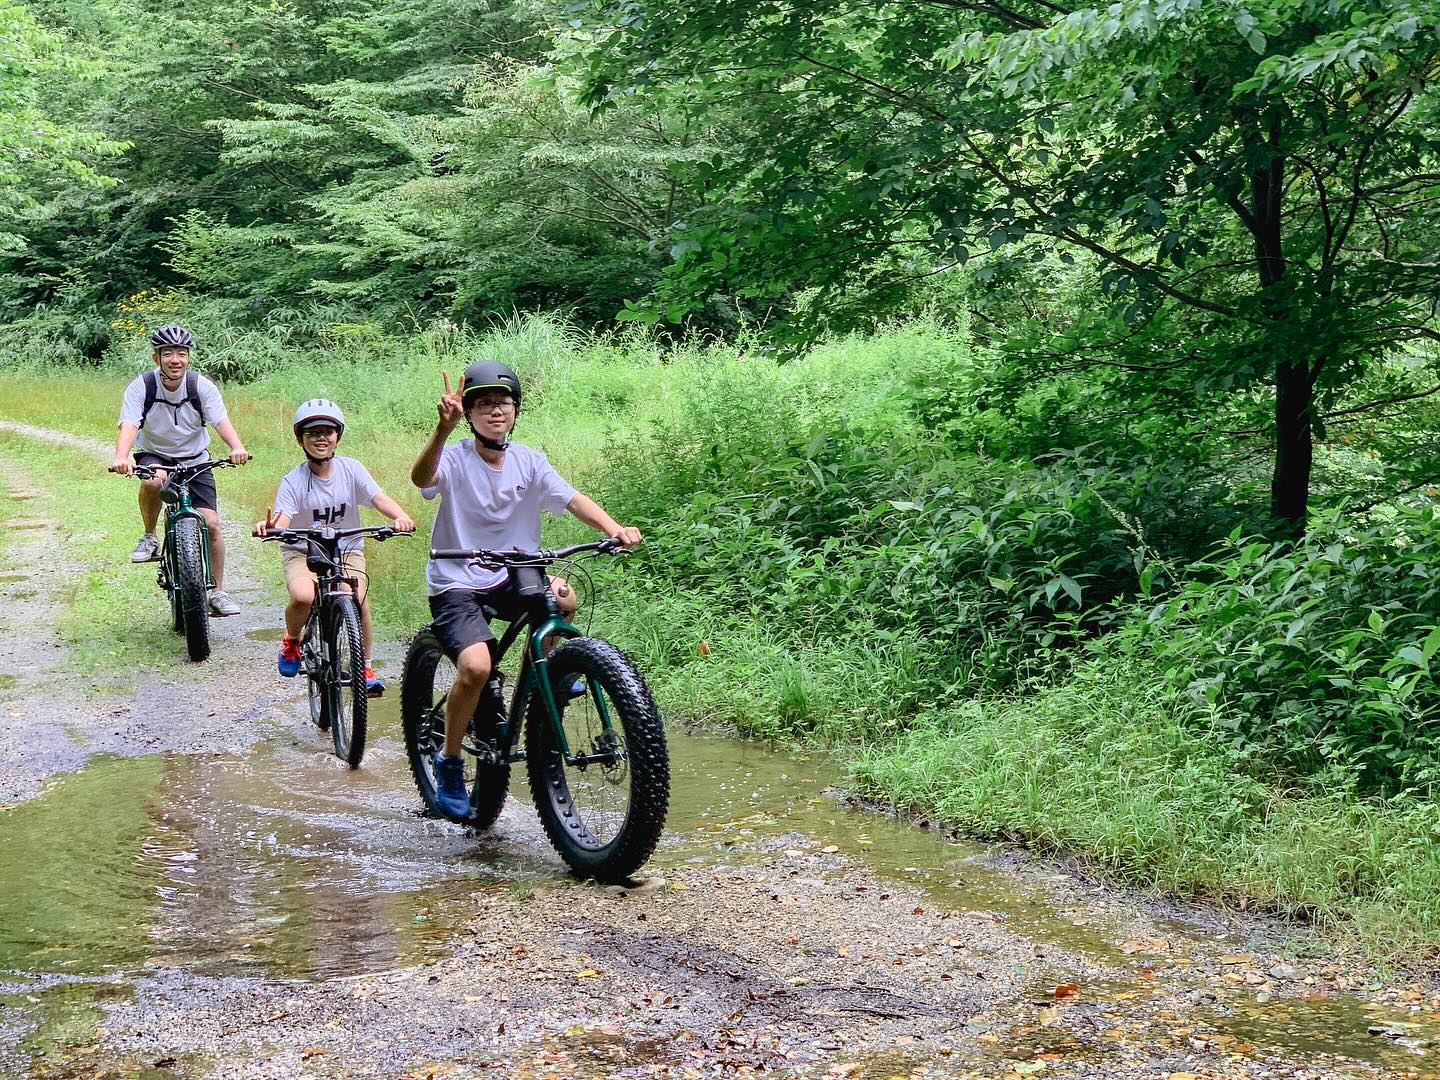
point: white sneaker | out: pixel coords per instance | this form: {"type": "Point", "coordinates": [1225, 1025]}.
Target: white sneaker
{"type": "Point", "coordinates": [147, 549]}
{"type": "Point", "coordinates": [221, 605]}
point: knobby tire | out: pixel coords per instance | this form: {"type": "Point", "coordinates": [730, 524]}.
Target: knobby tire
{"type": "Point", "coordinates": [426, 681]}
{"type": "Point", "coordinates": [349, 702]}
{"type": "Point", "coordinates": [192, 586]}
{"type": "Point", "coordinates": [603, 819]}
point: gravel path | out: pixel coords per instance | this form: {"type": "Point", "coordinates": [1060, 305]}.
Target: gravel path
{"type": "Point", "coordinates": [291, 919]}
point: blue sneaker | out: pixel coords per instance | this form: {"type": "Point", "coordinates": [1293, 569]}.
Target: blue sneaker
{"type": "Point", "coordinates": [450, 795]}
{"type": "Point", "coordinates": [289, 661]}
{"type": "Point", "coordinates": [374, 683]}
{"type": "Point", "coordinates": [577, 688]}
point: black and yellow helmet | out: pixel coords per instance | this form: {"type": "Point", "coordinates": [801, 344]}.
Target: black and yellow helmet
{"type": "Point", "coordinates": [490, 375]}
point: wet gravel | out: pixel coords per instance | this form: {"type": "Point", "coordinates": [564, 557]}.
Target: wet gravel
{"type": "Point", "coordinates": [782, 934]}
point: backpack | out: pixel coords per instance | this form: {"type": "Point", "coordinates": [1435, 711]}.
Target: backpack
{"type": "Point", "coordinates": [192, 396]}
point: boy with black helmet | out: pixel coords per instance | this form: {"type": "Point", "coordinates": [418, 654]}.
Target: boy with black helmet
{"type": "Point", "coordinates": [325, 489]}
{"type": "Point", "coordinates": [163, 416]}
{"type": "Point", "coordinates": [492, 493]}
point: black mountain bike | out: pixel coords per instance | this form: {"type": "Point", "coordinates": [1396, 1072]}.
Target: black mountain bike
{"type": "Point", "coordinates": [332, 652]}
{"type": "Point", "coordinates": [594, 742]}
{"type": "Point", "coordinates": [184, 572]}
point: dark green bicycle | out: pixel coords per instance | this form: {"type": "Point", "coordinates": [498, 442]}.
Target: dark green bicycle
{"type": "Point", "coordinates": [184, 572]}
{"type": "Point", "coordinates": [594, 747]}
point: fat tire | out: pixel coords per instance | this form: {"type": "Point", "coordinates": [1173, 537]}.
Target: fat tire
{"type": "Point", "coordinates": [489, 784]}
{"type": "Point", "coordinates": [347, 687]}
{"type": "Point", "coordinates": [192, 586]}
{"type": "Point", "coordinates": [638, 720]}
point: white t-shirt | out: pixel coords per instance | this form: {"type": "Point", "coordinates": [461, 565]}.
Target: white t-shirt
{"type": "Point", "coordinates": [172, 430]}
{"type": "Point", "coordinates": [484, 507]}
{"type": "Point", "coordinates": [314, 501]}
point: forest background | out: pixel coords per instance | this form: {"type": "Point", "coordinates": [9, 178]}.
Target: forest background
{"type": "Point", "coordinates": [1036, 403]}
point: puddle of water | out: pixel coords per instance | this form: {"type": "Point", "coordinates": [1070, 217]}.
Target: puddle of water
{"type": "Point", "coordinates": [284, 863]}
{"type": "Point", "coordinates": [269, 633]}
{"type": "Point", "coordinates": [1335, 1026]}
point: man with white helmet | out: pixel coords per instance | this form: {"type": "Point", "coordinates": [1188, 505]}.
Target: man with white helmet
{"type": "Point", "coordinates": [163, 417]}
{"type": "Point", "coordinates": [325, 490]}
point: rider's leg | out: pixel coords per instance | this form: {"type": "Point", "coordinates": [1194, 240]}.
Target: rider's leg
{"type": "Point", "coordinates": [150, 503]}
{"type": "Point", "coordinates": [472, 672]}
{"type": "Point", "coordinates": [217, 545]}
{"type": "Point", "coordinates": [302, 597]}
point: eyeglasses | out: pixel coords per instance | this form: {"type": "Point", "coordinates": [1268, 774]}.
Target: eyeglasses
{"type": "Point", "coordinates": [492, 404]}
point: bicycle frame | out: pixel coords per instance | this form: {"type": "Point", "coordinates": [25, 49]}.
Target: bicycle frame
{"type": "Point", "coordinates": [540, 622]}
{"type": "Point", "coordinates": [182, 508]}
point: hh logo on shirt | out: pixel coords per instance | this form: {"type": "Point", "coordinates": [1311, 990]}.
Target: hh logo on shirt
{"type": "Point", "coordinates": [329, 515]}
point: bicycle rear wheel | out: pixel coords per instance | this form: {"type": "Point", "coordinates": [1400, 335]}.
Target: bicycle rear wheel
{"type": "Point", "coordinates": [192, 586]}
{"type": "Point", "coordinates": [424, 689]}
{"type": "Point", "coordinates": [350, 704]}
{"type": "Point", "coordinates": [313, 664]}
{"type": "Point", "coordinates": [604, 809]}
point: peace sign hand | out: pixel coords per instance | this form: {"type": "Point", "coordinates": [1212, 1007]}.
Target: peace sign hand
{"type": "Point", "coordinates": [271, 520]}
{"type": "Point", "coordinates": [451, 405]}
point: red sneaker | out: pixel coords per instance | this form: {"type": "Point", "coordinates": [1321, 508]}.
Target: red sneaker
{"type": "Point", "coordinates": [289, 662]}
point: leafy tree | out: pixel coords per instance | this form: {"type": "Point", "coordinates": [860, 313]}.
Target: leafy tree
{"type": "Point", "coordinates": [1262, 173]}
{"type": "Point", "coordinates": [37, 148]}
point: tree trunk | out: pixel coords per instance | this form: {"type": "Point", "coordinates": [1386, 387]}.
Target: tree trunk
{"type": "Point", "coordinates": [1294, 448]}
{"type": "Point", "coordinates": [1294, 378]}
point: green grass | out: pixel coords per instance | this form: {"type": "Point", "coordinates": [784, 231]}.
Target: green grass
{"type": "Point", "coordinates": [1101, 769]}
{"type": "Point", "coordinates": [1101, 765]}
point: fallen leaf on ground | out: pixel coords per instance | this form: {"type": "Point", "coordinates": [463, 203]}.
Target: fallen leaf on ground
{"type": "Point", "coordinates": [1065, 990]}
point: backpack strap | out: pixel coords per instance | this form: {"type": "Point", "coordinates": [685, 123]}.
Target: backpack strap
{"type": "Point", "coordinates": [152, 390]}
{"type": "Point", "coordinates": [152, 394]}
{"type": "Point", "coordinates": [192, 395]}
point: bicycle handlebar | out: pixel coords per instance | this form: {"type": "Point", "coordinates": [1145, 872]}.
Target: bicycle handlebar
{"type": "Point", "coordinates": [296, 536]}
{"type": "Point", "coordinates": [145, 472]}
{"type": "Point", "coordinates": [608, 546]}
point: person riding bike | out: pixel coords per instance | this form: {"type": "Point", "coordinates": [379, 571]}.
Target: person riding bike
{"type": "Point", "coordinates": [492, 492]}
{"type": "Point", "coordinates": [163, 416]}
{"type": "Point", "coordinates": [326, 489]}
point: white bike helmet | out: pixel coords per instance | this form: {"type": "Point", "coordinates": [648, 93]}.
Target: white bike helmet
{"type": "Point", "coordinates": [318, 412]}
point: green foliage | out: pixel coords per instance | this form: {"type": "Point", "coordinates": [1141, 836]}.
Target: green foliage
{"type": "Point", "coordinates": [1317, 655]}
{"type": "Point", "coordinates": [1135, 783]}
{"type": "Point", "coordinates": [37, 147]}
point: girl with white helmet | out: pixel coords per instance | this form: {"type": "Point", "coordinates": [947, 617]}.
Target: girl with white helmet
{"type": "Point", "coordinates": [325, 489]}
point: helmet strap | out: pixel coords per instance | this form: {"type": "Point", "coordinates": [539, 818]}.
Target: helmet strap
{"type": "Point", "coordinates": [489, 444]}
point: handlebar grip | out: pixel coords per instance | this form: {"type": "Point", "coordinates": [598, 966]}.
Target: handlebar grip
{"type": "Point", "coordinates": [452, 553]}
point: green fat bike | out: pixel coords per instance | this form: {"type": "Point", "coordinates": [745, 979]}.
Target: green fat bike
{"type": "Point", "coordinates": [184, 573]}
{"type": "Point", "coordinates": [594, 748]}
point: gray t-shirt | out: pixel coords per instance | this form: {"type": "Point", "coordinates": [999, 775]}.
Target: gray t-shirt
{"type": "Point", "coordinates": [172, 430]}
{"type": "Point", "coordinates": [484, 507]}
{"type": "Point", "coordinates": [317, 501]}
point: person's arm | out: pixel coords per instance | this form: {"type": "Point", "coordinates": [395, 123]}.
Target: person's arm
{"type": "Point", "coordinates": [124, 441]}
{"type": "Point", "coordinates": [594, 515]}
{"type": "Point", "coordinates": [393, 510]}
{"type": "Point", "coordinates": [238, 454]}
{"type": "Point", "coordinates": [450, 409]}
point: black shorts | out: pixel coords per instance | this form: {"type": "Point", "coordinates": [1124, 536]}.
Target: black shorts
{"type": "Point", "coordinates": [202, 487]}
{"type": "Point", "coordinates": [462, 617]}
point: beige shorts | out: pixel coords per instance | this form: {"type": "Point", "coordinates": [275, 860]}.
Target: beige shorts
{"type": "Point", "coordinates": [295, 568]}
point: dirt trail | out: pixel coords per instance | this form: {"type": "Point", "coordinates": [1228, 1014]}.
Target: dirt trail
{"type": "Point", "coordinates": [223, 899]}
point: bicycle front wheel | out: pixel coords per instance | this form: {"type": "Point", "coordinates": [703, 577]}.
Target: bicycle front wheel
{"type": "Point", "coordinates": [191, 586]}
{"type": "Point", "coordinates": [350, 704]}
{"type": "Point", "coordinates": [424, 690]}
{"type": "Point", "coordinates": [603, 804]}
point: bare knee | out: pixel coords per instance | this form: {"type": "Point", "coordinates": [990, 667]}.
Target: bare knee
{"type": "Point", "coordinates": [302, 592]}
{"type": "Point", "coordinates": [473, 667]}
